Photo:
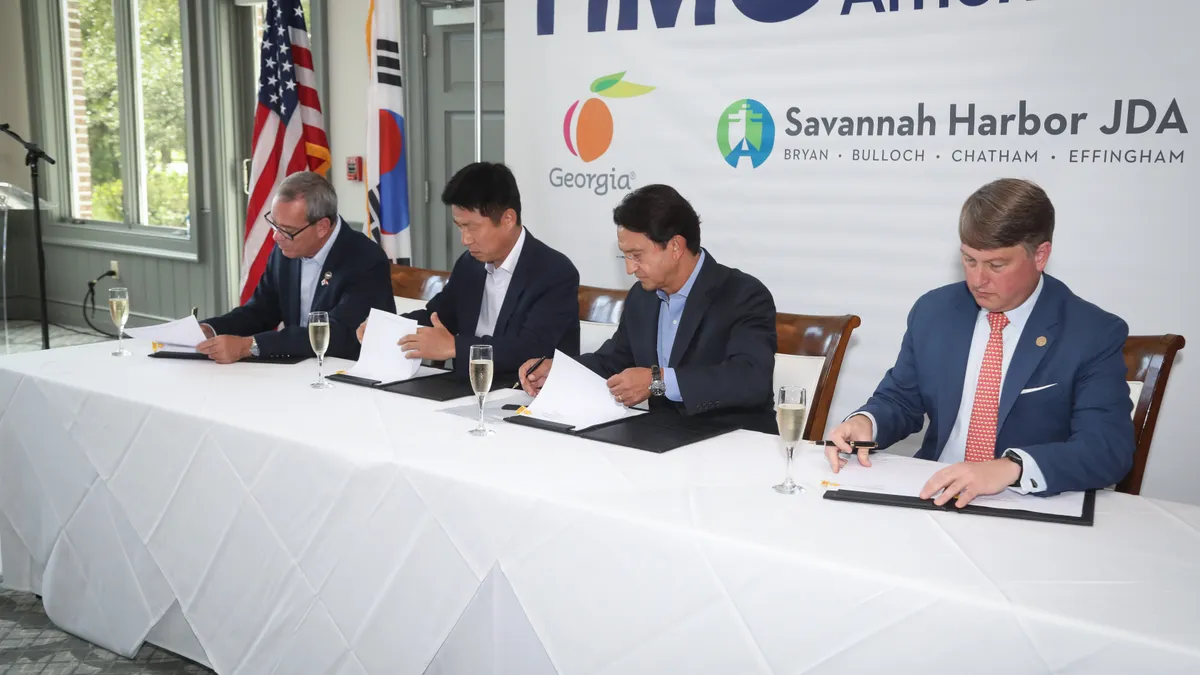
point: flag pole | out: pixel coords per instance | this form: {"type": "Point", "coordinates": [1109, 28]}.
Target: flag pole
{"type": "Point", "coordinates": [478, 80]}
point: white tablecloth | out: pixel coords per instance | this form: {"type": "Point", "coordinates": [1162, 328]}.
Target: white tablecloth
{"type": "Point", "coordinates": [246, 520]}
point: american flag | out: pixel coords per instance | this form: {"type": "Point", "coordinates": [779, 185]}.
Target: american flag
{"type": "Point", "coordinates": [289, 129]}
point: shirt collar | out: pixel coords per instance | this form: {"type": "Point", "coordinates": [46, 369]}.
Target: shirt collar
{"type": "Point", "coordinates": [319, 258]}
{"type": "Point", "coordinates": [510, 263]}
{"type": "Point", "coordinates": [687, 286]}
{"type": "Point", "coordinates": [1020, 314]}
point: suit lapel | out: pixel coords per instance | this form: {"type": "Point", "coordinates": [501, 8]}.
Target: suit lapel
{"type": "Point", "coordinates": [476, 286]}
{"type": "Point", "coordinates": [332, 262]}
{"type": "Point", "coordinates": [697, 304]}
{"type": "Point", "coordinates": [1043, 322]}
{"type": "Point", "coordinates": [516, 285]}
{"type": "Point", "coordinates": [291, 292]}
{"type": "Point", "coordinates": [957, 349]}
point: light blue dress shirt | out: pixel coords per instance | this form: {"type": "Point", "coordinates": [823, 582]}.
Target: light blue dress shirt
{"type": "Point", "coordinates": [669, 314]}
{"type": "Point", "coordinates": [310, 275]}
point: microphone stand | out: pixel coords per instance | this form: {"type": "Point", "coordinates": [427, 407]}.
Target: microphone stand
{"type": "Point", "coordinates": [33, 154]}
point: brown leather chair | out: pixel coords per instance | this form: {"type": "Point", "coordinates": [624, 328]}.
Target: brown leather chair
{"type": "Point", "coordinates": [417, 283]}
{"type": "Point", "coordinates": [601, 305]}
{"type": "Point", "coordinates": [824, 336]}
{"type": "Point", "coordinates": [1148, 359]}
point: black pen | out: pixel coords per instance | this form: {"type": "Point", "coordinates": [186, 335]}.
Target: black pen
{"type": "Point", "coordinates": [854, 444]}
{"type": "Point", "coordinates": [531, 369]}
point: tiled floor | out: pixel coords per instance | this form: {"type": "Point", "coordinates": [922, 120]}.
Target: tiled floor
{"type": "Point", "coordinates": [26, 336]}
{"type": "Point", "coordinates": [29, 643]}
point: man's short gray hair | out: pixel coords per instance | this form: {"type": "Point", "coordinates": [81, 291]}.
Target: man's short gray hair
{"type": "Point", "coordinates": [317, 193]}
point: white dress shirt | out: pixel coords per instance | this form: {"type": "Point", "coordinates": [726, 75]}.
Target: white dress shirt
{"type": "Point", "coordinates": [955, 449]}
{"type": "Point", "coordinates": [310, 275]}
{"type": "Point", "coordinates": [495, 287]}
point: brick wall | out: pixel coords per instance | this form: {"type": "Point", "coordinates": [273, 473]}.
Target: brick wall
{"type": "Point", "coordinates": [78, 112]}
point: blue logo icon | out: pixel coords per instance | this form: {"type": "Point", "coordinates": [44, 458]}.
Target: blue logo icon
{"type": "Point", "coordinates": [746, 129]}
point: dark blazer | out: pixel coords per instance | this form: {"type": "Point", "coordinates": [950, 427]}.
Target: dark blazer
{"type": "Point", "coordinates": [360, 278]}
{"type": "Point", "coordinates": [724, 351]}
{"type": "Point", "coordinates": [1078, 428]}
{"type": "Point", "coordinates": [540, 311]}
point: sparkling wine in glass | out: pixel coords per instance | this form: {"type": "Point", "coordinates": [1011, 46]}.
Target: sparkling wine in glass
{"type": "Point", "coordinates": [118, 309]}
{"type": "Point", "coordinates": [318, 337]}
{"type": "Point", "coordinates": [480, 370]}
{"type": "Point", "coordinates": [789, 414]}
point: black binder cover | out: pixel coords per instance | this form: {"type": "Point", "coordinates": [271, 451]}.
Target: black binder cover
{"type": "Point", "coordinates": [440, 387]}
{"type": "Point", "coordinates": [1085, 518]}
{"type": "Point", "coordinates": [657, 432]}
{"type": "Point", "coordinates": [197, 356]}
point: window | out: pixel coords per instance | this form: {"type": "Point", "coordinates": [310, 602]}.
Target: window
{"type": "Point", "coordinates": [126, 111]}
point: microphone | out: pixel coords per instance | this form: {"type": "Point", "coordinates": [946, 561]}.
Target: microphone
{"type": "Point", "coordinates": [4, 127]}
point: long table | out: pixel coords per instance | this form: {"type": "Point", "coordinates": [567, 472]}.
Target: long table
{"type": "Point", "coordinates": [243, 519]}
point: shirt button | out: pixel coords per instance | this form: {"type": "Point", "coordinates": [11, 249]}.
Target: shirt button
{"type": "Point", "coordinates": [675, 322]}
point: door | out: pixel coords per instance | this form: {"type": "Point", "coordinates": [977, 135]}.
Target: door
{"type": "Point", "coordinates": [449, 109]}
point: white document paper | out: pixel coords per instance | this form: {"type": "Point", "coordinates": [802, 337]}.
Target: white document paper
{"type": "Point", "coordinates": [576, 396]}
{"type": "Point", "coordinates": [905, 476]}
{"type": "Point", "coordinates": [381, 357]}
{"type": "Point", "coordinates": [180, 335]}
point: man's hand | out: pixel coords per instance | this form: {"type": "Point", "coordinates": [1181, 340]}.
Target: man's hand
{"type": "Point", "coordinates": [362, 330]}
{"type": "Point", "coordinates": [533, 383]}
{"type": "Point", "coordinates": [968, 480]}
{"type": "Point", "coordinates": [225, 348]}
{"type": "Point", "coordinates": [857, 428]}
{"type": "Point", "coordinates": [630, 386]}
{"type": "Point", "coordinates": [435, 344]}
{"type": "Point", "coordinates": [208, 331]}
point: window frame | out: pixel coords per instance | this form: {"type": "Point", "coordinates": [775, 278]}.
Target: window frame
{"type": "Point", "coordinates": [50, 121]}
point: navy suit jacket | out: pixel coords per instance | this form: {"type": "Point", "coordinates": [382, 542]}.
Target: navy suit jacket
{"type": "Point", "coordinates": [1077, 428]}
{"type": "Point", "coordinates": [540, 311]}
{"type": "Point", "coordinates": [724, 350]}
{"type": "Point", "coordinates": [360, 278]}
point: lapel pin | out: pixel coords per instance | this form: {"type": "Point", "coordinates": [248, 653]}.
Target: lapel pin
{"type": "Point", "coordinates": [329, 275]}
{"type": "Point", "coordinates": [1041, 341]}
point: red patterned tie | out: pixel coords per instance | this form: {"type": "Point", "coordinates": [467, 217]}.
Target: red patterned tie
{"type": "Point", "coordinates": [981, 434]}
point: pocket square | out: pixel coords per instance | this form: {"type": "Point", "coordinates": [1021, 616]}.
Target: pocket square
{"type": "Point", "coordinates": [1033, 389]}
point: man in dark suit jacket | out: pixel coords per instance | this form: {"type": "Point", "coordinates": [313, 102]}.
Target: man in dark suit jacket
{"type": "Point", "coordinates": [695, 336]}
{"type": "Point", "coordinates": [319, 264]}
{"type": "Point", "coordinates": [1023, 382]}
{"type": "Point", "coordinates": [508, 290]}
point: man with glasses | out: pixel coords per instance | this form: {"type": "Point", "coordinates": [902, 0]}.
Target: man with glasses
{"type": "Point", "coordinates": [508, 289]}
{"type": "Point", "coordinates": [319, 264]}
{"type": "Point", "coordinates": [695, 335]}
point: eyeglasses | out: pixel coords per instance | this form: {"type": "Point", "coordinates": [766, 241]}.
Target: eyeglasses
{"type": "Point", "coordinates": [290, 236]}
{"type": "Point", "coordinates": [635, 258]}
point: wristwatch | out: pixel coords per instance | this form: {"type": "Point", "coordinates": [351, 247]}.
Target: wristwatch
{"type": "Point", "coordinates": [253, 347]}
{"type": "Point", "coordinates": [1016, 458]}
{"type": "Point", "coordinates": [657, 386]}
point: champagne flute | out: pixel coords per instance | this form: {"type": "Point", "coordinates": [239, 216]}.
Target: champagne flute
{"type": "Point", "coordinates": [481, 382]}
{"type": "Point", "coordinates": [789, 414]}
{"type": "Point", "coordinates": [318, 337]}
{"type": "Point", "coordinates": [118, 309]}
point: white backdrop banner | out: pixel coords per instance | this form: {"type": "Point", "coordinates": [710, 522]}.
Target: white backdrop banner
{"type": "Point", "coordinates": [828, 145]}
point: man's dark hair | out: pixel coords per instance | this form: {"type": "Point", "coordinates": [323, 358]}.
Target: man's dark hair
{"type": "Point", "coordinates": [1005, 213]}
{"type": "Point", "coordinates": [660, 213]}
{"type": "Point", "coordinates": [485, 187]}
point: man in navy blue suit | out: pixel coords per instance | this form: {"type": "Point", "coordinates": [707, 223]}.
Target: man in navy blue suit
{"type": "Point", "coordinates": [319, 264]}
{"type": "Point", "coordinates": [695, 336]}
{"type": "Point", "coordinates": [508, 290]}
{"type": "Point", "coordinates": [1023, 382]}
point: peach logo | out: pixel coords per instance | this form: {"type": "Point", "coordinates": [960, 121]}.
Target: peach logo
{"type": "Point", "coordinates": [588, 125]}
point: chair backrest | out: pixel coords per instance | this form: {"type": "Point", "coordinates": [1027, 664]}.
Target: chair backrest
{"type": "Point", "coordinates": [593, 334]}
{"type": "Point", "coordinates": [416, 283]}
{"type": "Point", "coordinates": [1148, 360]}
{"type": "Point", "coordinates": [810, 353]}
{"type": "Point", "coordinates": [601, 305]}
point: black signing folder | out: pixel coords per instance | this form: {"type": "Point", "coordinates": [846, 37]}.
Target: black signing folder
{"type": "Point", "coordinates": [197, 356]}
{"type": "Point", "coordinates": [657, 432]}
{"type": "Point", "coordinates": [1085, 518]}
{"type": "Point", "coordinates": [440, 387]}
